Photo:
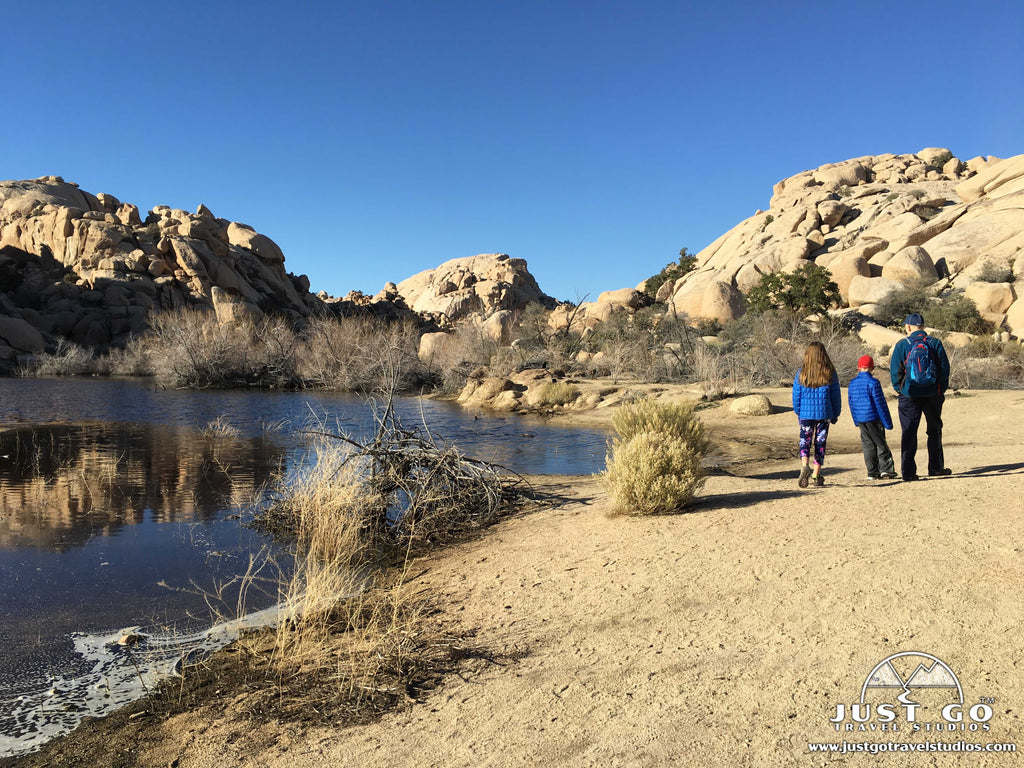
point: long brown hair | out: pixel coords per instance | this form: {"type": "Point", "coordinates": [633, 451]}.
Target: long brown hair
{"type": "Point", "coordinates": [817, 370]}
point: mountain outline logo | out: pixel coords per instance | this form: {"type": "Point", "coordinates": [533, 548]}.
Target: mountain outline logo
{"type": "Point", "coordinates": [937, 674]}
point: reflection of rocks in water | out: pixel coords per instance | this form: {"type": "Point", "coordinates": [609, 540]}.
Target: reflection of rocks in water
{"type": "Point", "coordinates": [62, 484]}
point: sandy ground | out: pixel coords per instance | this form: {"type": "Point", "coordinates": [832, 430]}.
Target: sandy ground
{"type": "Point", "coordinates": [724, 636]}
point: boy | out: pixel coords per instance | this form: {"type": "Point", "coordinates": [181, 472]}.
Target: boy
{"type": "Point", "coordinates": [871, 413]}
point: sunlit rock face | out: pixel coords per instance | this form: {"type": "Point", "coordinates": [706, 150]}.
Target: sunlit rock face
{"type": "Point", "coordinates": [89, 269]}
{"type": "Point", "coordinates": [908, 219]}
{"type": "Point", "coordinates": [475, 286]}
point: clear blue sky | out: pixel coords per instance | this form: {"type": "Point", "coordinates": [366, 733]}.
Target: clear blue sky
{"type": "Point", "coordinates": [594, 139]}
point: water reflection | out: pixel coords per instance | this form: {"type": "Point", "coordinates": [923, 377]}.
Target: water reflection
{"type": "Point", "coordinates": [63, 484]}
{"type": "Point", "coordinates": [118, 510]}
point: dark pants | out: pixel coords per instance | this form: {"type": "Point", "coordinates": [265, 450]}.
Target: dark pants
{"type": "Point", "coordinates": [911, 409]}
{"type": "Point", "coordinates": [877, 456]}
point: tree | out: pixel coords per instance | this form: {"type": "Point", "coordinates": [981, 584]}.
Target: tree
{"type": "Point", "coordinates": [807, 289]}
{"type": "Point", "coordinates": [672, 271]}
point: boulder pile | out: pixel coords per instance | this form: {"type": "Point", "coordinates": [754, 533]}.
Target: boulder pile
{"type": "Point", "coordinates": [878, 223]}
{"type": "Point", "coordinates": [89, 269]}
{"type": "Point", "coordinates": [463, 288]}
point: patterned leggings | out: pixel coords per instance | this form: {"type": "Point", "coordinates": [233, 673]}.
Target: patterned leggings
{"type": "Point", "coordinates": [813, 433]}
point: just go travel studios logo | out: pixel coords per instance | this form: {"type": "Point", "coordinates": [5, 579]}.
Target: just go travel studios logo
{"type": "Point", "coordinates": [913, 692]}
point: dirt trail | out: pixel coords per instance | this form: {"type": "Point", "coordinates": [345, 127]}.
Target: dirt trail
{"type": "Point", "coordinates": [725, 636]}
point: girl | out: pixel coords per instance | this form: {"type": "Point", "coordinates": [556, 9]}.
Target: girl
{"type": "Point", "coordinates": [817, 402]}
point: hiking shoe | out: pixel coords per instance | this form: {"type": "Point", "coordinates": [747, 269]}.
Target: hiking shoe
{"type": "Point", "coordinates": [941, 472]}
{"type": "Point", "coordinates": [874, 477]}
{"type": "Point", "coordinates": [889, 475]}
{"type": "Point", "coordinates": [804, 474]}
{"type": "Point", "coordinates": [910, 478]}
{"type": "Point", "coordinates": [819, 480]}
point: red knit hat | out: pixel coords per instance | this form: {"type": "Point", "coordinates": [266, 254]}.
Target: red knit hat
{"type": "Point", "coordinates": [866, 362]}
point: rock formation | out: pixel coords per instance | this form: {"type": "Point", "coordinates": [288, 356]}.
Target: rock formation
{"type": "Point", "coordinates": [878, 223]}
{"type": "Point", "coordinates": [475, 286]}
{"type": "Point", "coordinates": [87, 268]}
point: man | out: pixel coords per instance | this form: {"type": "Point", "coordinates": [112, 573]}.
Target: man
{"type": "Point", "coordinates": [908, 369]}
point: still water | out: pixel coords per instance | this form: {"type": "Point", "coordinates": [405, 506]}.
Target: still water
{"type": "Point", "coordinates": [121, 510]}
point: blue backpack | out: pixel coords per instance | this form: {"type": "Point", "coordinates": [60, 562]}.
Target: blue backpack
{"type": "Point", "coordinates": [920, 364]}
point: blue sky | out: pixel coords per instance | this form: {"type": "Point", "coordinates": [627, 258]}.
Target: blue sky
{"type": "Point", "coordinates": [373, 140]}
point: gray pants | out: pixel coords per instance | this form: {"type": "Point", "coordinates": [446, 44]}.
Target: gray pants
{"type": "Point", "coordinates": [877, 455]}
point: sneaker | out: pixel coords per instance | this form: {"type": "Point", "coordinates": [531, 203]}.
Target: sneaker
{"type": "Point", "coordinates": [910, 478]}
{"type": "Point", "coordinates": [941, 472]}
{"type": "Point", "coordinates": [889, 475]}
{"type": "Point", "coordinates": [804, 474]}
{"type": "Point", "coordinates": [874, 477]}
{"type": "Point", "coordinates": [819, 480]}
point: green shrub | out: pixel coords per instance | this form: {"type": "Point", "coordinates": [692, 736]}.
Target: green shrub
{"type": "Point", "coordinates": [894, 308]}
{"type": "Point", "coordinates": [956, 313]}
{"type": "Point", "coordinates": [808, 289]}
{"type": "Point", "coordinates": [672, 271]}
{"type": "Point", "coordinates": [991, 272]}
{"type": "Point", "coordinates": [653, 473]}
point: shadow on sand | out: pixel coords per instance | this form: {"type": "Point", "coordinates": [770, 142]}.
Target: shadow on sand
{"type": "Point", "coordinates": [736, 500]}
{"type": "Point", "coordinates": [556, 494]}
{"type": "Point", "coordinates": [992, 469]}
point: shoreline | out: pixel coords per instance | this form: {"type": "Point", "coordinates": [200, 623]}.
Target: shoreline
{"type": "Point", "coordinates": [798, 587]}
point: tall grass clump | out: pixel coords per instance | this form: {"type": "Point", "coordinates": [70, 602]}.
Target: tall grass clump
{"type": "Point", "coordinates": [189, 348]}
{"type": "Point", "coordinates": [356, 514]}
{"type": "Point", "coordinates": [655, 463]}
{"type": "Point", "coordinates": [360, 354]}
{"type": "Point", "coordinates": [556, 393]}
{"type": "Point", "coordinates": [67, 359]}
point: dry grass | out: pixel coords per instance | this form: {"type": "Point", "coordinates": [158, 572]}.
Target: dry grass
{"type": "Point", "coordinates": [556, 393]}
{"type": "Point", "coordinates": [655, 463]}
{"type": "Point", "coordinates": [220, 428]}
{"type": "Point", "coordinates": [67, 359]}
{"type": "Point", "coordinates": [671, 419]}
{"type": "Point", "coordinates": [352, 628]}
{"type": "Point", "coordinates": [653, 473]}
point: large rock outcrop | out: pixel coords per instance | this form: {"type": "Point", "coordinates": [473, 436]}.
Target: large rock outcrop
{"type": "Point", "coordinates": [477, 286]}
{"type": "Point", "coordinates": [87, 268]}
{"type": "Point", "coordinates": [874, 222]}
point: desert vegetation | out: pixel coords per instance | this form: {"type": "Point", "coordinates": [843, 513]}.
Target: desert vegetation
{"type": "Point", "coordinates": [356, 515]}
{"type": "Point", "coordinates": [354, 634]}
{"type": "Point", "coordinates": [189, 348]}
{"type": "Point", "coordinates": [649, 343]}
{"type": "Point", "coordinates": [654, 465]}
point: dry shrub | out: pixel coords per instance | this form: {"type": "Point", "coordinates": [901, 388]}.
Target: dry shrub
{"type": "Point", "coordinates": [68, 359]}
{"type": "Point", "coordinates": [556, 393]}
{"type": "Point", "coordinates": [466, 348]}
{"type": "Point", "coordinates": [655, 465]}
{"type": "Point", "coordinates": [131, 360]}
{"type": "Point", "coordinates": [653, 473]}
{"type": "Point", "coordinates": [190, 348]}
{"type": "Point", "coordinates": [360, 354]}
{"type": "Point", "coordinates": [670, 419]}
{"type": "Point", "coordinates": [356, 515]}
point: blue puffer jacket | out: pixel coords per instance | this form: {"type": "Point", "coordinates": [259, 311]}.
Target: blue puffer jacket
{"type": "Point", "coordinates": [867, 403]}
{"type": "Point", "coordinates": [817, 403]}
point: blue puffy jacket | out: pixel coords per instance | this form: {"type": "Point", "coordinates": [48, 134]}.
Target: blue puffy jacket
{"type": "Point", "coordinates": [817, 403]}
{"type": "Point", "coordinates": [867, 402]}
